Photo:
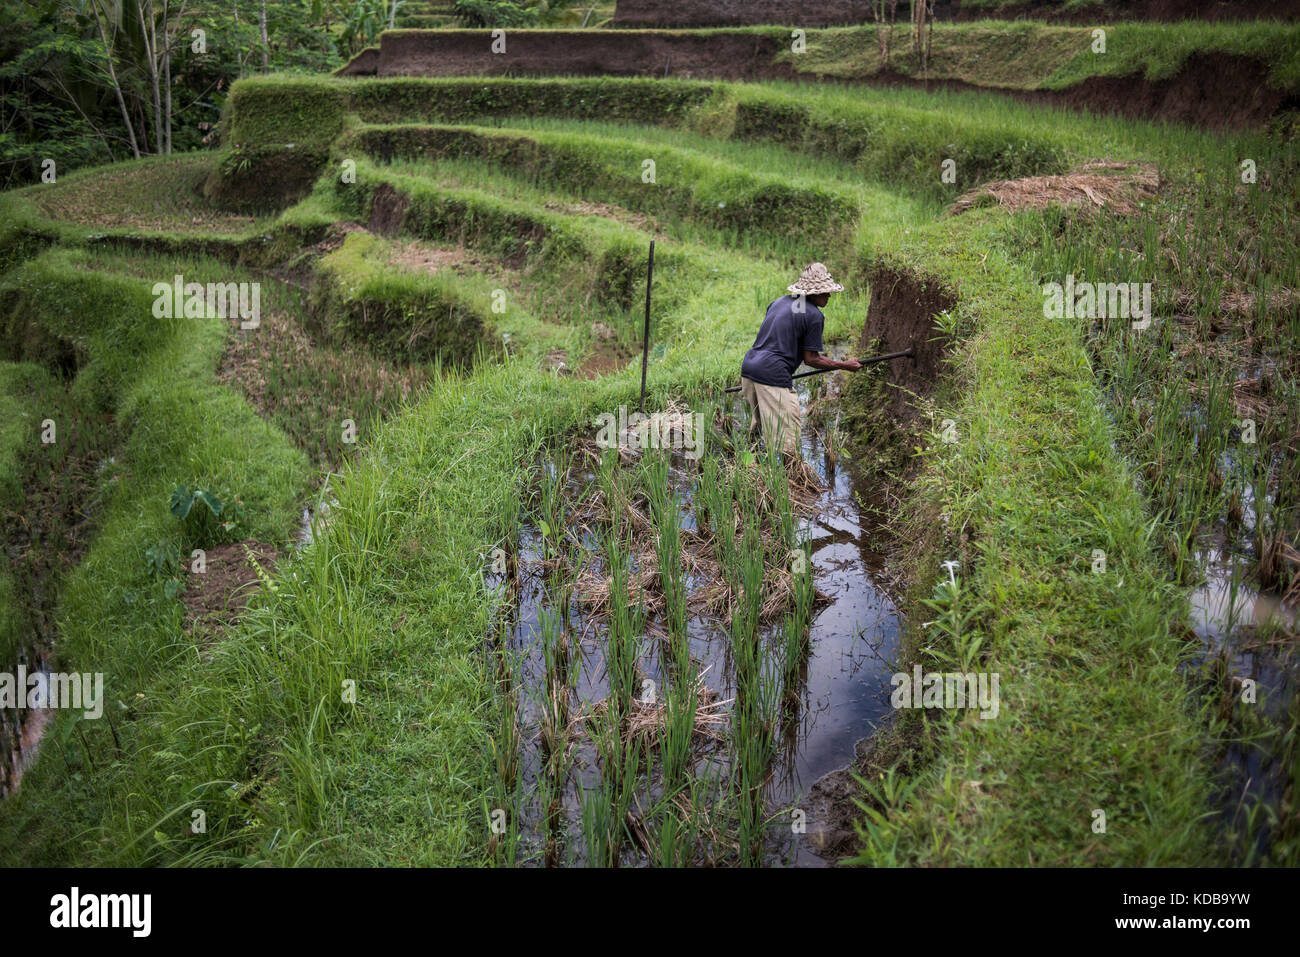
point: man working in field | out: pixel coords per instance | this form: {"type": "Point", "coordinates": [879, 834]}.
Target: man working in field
{"type": "Point", "coordinates": [791, 333]}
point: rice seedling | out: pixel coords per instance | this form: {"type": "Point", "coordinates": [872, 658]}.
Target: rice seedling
{"type": "Point", "coordinates": [623, 639]}
{"type": "Point", "coordinates": [668, 543]}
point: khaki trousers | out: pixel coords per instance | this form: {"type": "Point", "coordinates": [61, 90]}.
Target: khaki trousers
{"type": "Point", "coordinates": [778, 412]}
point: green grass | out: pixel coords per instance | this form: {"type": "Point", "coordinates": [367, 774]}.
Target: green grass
{"type": "Point", "coordinates": [399, 538]}
{"type": "Point", "coordinates": [1026, 55]}
{"type": "Point", "coordinates": [1221, 355]}
{"type": "Point", "coordinates": [358, 299]}
{"type": "Point", "coordinates": [26, 401]}
{"type": "Point", "coordinates": [155, 377]}
{"type": "Point", "coordinates": [888, 137]}
{"type": "Point", "coordinates": [1030, 488]}
{"type": "Point", "coordinates": [658, 179]}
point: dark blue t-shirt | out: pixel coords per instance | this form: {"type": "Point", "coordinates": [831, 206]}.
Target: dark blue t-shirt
{"type": "Point", "coordinates": [785, 335]}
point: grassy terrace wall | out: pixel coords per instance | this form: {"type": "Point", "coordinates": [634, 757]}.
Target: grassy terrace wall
{"type": "Point", "coordinates": [22, 386]}
{"type": "Point", "coordinates": [276, 149]}
{"type": "Point", "coordinates": [391, 595]}
{"type": "Point", "coordinates": [401, 316]}
{"type": "Point", "coordinates": [692, 185]}
{"type": "Point", "coordinates": [1029, 489]}
{"type": "Point", "coordinates": [900, 142]}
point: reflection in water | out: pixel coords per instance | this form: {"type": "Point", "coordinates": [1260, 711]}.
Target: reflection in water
{"type": "Point", "coordinates": [1248, 635]}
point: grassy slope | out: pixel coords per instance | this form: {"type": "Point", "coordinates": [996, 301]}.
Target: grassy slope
{"type": "Point", "coordinates": [155, 376]}
{"type": "Point", "coordinates": [1024, 55]}
{"type": "Point", "coordinates": [1095, 714]}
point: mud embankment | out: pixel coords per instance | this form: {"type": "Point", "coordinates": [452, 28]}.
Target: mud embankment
{"type": "Point", "coordinates": [1214, 91]}
{"type": "Point", "coordinates": [721, 56]}
{"type": "Point", "coordinates": [1117, 10]}
{"type": "Point", "coordinates": [901, 314]}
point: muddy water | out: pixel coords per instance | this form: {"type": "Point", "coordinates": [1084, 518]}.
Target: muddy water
{"type": "Point", "coordinates": [844, 695]}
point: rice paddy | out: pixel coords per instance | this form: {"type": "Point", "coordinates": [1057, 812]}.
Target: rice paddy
{"type": "Point", "coordinates": [511, 634]}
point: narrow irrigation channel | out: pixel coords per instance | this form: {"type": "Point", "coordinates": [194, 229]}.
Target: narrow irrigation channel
{"type": "Point", "coordinates": [687, 643]}
{"type": "Point", "coordinates": [21, 731]}
{"type": "Point", "coordinates": [43, 533]}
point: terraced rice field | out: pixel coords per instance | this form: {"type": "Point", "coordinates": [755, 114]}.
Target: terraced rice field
{"type": "Point", "coordinates": [442, 621]}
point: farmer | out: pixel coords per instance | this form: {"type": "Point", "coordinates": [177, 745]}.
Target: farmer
{"type": "Point", "coordinates": [791, 333]}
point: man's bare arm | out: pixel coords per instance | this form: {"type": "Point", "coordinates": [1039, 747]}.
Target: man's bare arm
{"type": "Point", "coordinates": [816, 360]}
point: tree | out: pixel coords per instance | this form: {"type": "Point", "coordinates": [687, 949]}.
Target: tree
{"type": "Point", "coordinates": [922, 23]}
{"type": "Point", "coordinates": [98, 80]}
{"type": "Point", "coordinates": [884, 40]}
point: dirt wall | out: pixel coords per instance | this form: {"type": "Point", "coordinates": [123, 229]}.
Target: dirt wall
{"type": "Point", "coordinates": [580, 53]}
{"type": "Point", "coordinates": [1117, 10]}
{"type": "Point", "coordinates": [1215, 91]}
{"type": "Point", "coordinates": [901, 314]}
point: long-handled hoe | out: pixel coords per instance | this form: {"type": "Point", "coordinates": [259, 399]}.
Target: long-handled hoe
{"type": "Point", "coordinates": [908, 353]}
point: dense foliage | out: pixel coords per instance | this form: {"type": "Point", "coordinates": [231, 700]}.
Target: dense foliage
{"type": "Point", "coordinates": [88, 81]}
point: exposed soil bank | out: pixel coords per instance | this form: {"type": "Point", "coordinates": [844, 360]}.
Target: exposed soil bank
{"type": "Point", "coordinates": [43, 536]}
{"type": "Point", "coordinates": [901, 314]}
{"type": "Point", "coordinates": [734, 13]}
{"type": "Point", "coordinates": [739, 56]}
{"type": "Point", "coordinates": [216, 598]}
{"type": "Point", "coordinates": [1213, 90]}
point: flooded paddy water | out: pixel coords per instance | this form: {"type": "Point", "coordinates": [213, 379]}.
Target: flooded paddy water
{"type": "Point", "coordinates": [1247, 652]}
{"type": "Point", "coordinates": [812, 698]}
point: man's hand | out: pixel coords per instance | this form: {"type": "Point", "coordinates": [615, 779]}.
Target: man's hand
{"type": "Point", "coordinates": [815, 360]}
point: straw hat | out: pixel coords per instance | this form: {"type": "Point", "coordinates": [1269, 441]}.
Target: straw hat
{"type": "Point", "coordinates": [814, 280]}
